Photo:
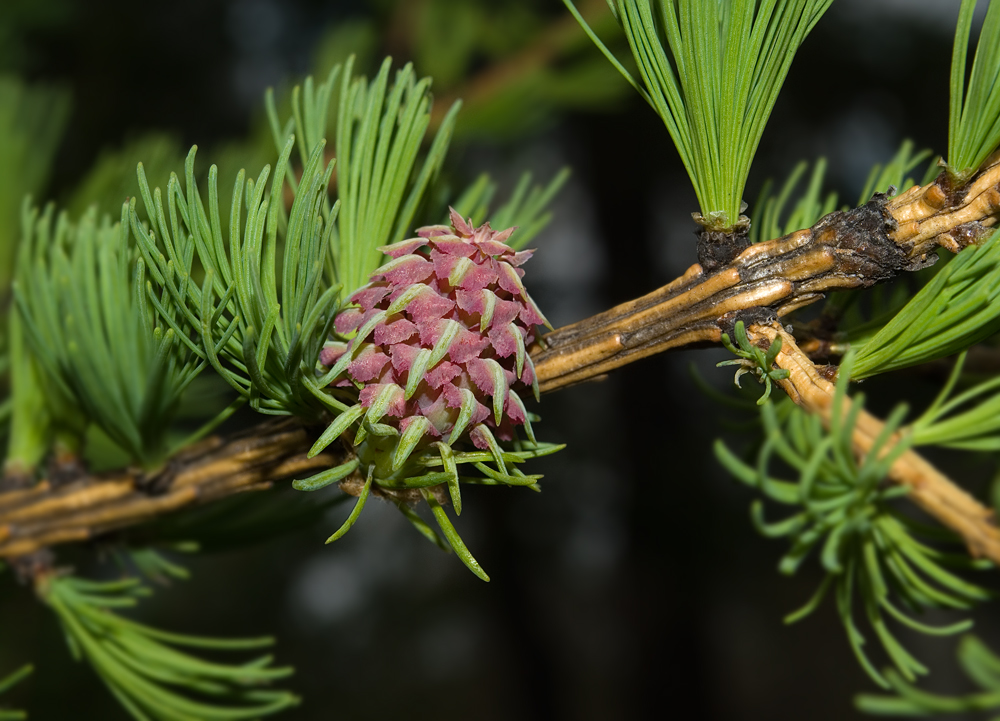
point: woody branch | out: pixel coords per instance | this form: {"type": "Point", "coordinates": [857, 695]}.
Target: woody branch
{"type": "Point", "coordinates": [843, 250]}
{"type": "Point", "coordinates": [852, 249]}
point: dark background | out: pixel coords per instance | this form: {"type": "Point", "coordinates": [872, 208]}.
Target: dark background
{"type": "Point", "coordinates": [634, 586]}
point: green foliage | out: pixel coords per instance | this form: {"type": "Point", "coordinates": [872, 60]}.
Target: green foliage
{"type": "Point", "coordinates": [111, 180]}
{"type": "Point", "coordinates": [6, 684]}
{"type": "Point", "coordinates": [29, 427]}
{"type": "Point", "coordinates": [32, 119]}
{"type": "Point", "coordinates": [379, 132]}
{"type": "Point", "coordinates": [980, 664]}
{"type": "Point", "coordinates": [512, 63]}
{"type": "Point", "coordinates": [83, 299]}
{"type": "Point", "coordinates": [152, 564]}
{"type": "Point", "coordinates": [265, 350]}
{"type": "Point", "coordinates": [525, 208]}
{"type": "Point", "coordinates": [754, 360]}
{"type": "Point", "coordinates": [768, 212]}
{"type": "Point", "coordinates": [716, 88]}
{"type": "Point", "coordinates": [969, 421]}
{"type": "Point", "coordinates": [897, 173]}
{"type": "Point", "coordinates": [769, 220]}
{"type": "Point", "coordinates": [959, 307]}
{"type": "Point", "coordinates": [861, 315]}
{"type": "Point", "coordinates": [974, 111]}
{"type": "Point", "coordinates": [873, 555]}
{"type": "Point", "coordinates": [144, 667]}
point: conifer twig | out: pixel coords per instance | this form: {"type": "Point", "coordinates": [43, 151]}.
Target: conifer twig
{"type": "Point", "coordinates": [845, 249]}
{"type": "Point", "coordinates": [930, 489]}
{"type": "Point", "coordinates": [851, 249]}
{"type": "Point", "coordinates": [46, 514]}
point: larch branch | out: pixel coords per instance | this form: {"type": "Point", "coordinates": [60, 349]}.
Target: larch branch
{"type": "Point", "coordinates": [44, 515]}
{"type": "Point", "coordinates": [930, 489]}
{"type": "Point", "coordinates": [850, 249]}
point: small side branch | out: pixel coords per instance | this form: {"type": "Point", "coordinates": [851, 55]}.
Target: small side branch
{"type": "Point", "coordinates": [930, 489]}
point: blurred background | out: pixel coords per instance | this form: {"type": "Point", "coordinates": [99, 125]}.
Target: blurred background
{"type": "Point", "coordinates": [634, 585]}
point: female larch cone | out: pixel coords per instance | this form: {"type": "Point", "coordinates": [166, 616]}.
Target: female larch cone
{"type": "Point", "coordinates": [441, 331]}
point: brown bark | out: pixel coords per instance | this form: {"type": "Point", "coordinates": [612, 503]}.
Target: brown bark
{"type": "Point", "coordinates": [45, 514]}
{"type": "Point", "coordinates": [852, 249]}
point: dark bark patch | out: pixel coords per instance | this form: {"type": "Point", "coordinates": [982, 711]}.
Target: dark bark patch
{"type": "Point", "coordinates": [861, 236]}
{"type": "Point", "coordinates": [718, 248]}
{"type": "Point", "coordinates": [750, 316]}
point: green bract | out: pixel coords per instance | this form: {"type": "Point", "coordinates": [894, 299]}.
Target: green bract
{"type": "Point", "coordinates": [968, 421]}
